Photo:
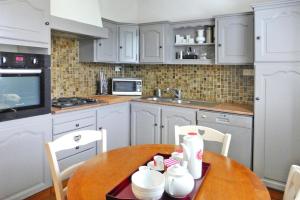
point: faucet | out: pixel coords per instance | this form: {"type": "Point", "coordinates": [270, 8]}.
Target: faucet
{"type": "Point", "coordinates": [176, 92]}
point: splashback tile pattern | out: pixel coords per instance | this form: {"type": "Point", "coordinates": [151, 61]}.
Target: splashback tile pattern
{"type": "Point", "coordinates": [203, 82]}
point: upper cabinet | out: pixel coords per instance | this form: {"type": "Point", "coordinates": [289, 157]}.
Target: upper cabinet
{"type": "Point", "coordinates": [277, 31]}
{"type": "Point", "coordinates": [25, 23]}
{"type": "Point", "coordinates": [106, 50]}
{"type": "Point", "coordinates": [154, 45]}
{"type": "Point", "coordinates": [235, 39]}
{"type": "Point", "coordinates": [121, 46]}
{"type": "Point", "coordinates": [128, 43]}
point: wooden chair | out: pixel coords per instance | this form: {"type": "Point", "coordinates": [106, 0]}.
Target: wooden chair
{"type": "Point", "coordinates": [209, 134]}
{"type": "Point", "coordinates": [292, 188]}
{"type": "Point", "coordinates": [65, 142]}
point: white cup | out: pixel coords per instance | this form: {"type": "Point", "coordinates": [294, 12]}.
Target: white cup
{"type": "Point", "coordinates": [158, 162]}
{"type": "Point", "coordinates": [177, 156]}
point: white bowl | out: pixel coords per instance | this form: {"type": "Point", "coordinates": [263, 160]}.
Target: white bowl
{"type": "Point", "coordinates": [148, 184]}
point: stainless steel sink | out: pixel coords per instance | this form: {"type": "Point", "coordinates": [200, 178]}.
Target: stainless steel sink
{"type": "Point", "coordinates": [181, 101]}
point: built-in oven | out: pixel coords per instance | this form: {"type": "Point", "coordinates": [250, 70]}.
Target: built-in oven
{"type": "Point", "coordinates": [24, 85]}
{"type": "Point", "coordinates": [127, 86]}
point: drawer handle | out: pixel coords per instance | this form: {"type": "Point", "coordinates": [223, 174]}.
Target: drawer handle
{"type": "Point", "coordinates": [258, 37]}
{"type": "Point", "coordinates": [204, 116]}
{"type": "Point", "coordinates": [77, 147]}
{"type": "Point", "coordinates": [222, 120]}
{"type": "Point", "coordinates": [77, 138]}
{"type": "Point", "coordinates": [100, 128]}
{"type": "Point", "coordinates": [77, 125]}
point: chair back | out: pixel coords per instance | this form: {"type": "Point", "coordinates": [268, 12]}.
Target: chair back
{"type": "Point", "coordinates": [70, 141]}
{"type": "Point", "coordinates": [292, 188]}
{"type": "Point", "coordinates": [207, 133]}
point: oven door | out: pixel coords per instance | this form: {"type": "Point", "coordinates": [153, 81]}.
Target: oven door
{"type": "Point", "coordinates": [23, 93]}
{"type": "Point", "coordinates": [123, 87]}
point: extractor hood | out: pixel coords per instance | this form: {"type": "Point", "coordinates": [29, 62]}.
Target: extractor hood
{"type": "Point", "coordinates": [79, 17]}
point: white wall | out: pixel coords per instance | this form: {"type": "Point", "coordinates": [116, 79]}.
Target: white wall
{"type": "Point", "coordinates": [87, 11]}
{"type": "Point", "coordinates": [120, 10]}
{"type": "Point", "coordinates": [176, 10]}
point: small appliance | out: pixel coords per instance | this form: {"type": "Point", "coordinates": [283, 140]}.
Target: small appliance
{"type": "Point", "coordinates": [127, 86]}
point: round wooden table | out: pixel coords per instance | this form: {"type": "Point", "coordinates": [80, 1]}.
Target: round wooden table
{"type": "Point", "coordinates": [226, 179]}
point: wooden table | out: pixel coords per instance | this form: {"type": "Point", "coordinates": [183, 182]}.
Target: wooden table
{"type": "Point", "coordinates": [226, 179]}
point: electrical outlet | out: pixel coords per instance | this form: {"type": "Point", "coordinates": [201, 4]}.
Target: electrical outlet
{"type": "Point", "coordinates": [118, 68]}
{"type": "Point", "coordinates": [248, 72]}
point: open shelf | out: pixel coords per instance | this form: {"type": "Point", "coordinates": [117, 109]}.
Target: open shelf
{"type": "Point", "coordinates": [195, 44]}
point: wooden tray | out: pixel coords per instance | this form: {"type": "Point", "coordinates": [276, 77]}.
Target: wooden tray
{"type": "Point", "coordinates": [123, 190]}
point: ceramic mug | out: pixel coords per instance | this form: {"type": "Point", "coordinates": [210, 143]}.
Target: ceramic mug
{"type": "Point", "coordinates": [158, 162]}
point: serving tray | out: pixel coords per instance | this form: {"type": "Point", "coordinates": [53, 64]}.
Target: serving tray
{"type": "Point", "coordinates": [123, 190]}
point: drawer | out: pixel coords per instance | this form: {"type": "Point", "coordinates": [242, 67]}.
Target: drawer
{"type": "Point", "coordinates": [225, 119]}
{"type": "Point", "coordinates": [73, 125]}
{"type": "Point", "coordinates": [66, 153]}
{"type": "Point", "coordinates": [83, 156]}
{"type": "Point", "coordinates": [73, 116]}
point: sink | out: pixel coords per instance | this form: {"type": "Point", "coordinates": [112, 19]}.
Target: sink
{"type": "Point", "coordinates": [181, 101]}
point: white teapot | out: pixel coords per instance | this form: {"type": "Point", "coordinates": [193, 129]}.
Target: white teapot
{"type": "Point", "coordinates": [179, 182]}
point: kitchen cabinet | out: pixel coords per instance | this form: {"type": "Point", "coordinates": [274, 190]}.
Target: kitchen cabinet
{"type": "Point", "coordinates": [277, 31]}
{"type": "Point", "coordinates": [240, 128]}
{"type": "Point", "coordinates": [106, 50]}
{"type": "Point", "coordinates": [68, 122]}
{"type": "Point", "coordinates": [24, 168]}
{"type": "Point", "coordinates": [172, 116]}
{"type": "Point", "coordinates": [154, 43]}
{"type": "Point", "coordinates": [116, 120]}
{"type": "Point", "coordinates": [277, 116]}
{"type": "Point", "coordinates": [145, 124]}
{"type": "Point", "coordinates": [235, 39]}
{"type": "Point", "coordinates": [128, 43]}
{"type": "Point", "coordinates": [25, 23]}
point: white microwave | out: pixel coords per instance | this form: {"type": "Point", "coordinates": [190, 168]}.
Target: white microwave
{"type": "Point", "coordinates": [127, 86]}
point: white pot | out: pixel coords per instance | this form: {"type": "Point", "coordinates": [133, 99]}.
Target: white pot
{"type": "Point", "coordinates": [179, 182]}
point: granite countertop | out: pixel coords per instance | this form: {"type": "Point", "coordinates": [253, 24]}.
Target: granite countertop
{"type": "Point", "coordinates": [241, 109]}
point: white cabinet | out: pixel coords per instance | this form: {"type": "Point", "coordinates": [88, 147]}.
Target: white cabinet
{"type": "Point", "coordinates": [277, 31]}
{"type": "Point", "coordinates": [24, 170]}
{"type": "Point", "coordinates": [172, 116]}
{"type": "Point", "coordinates": [128, 43]}
{"type": "Point", "coordinates": [277, 117]}
{"type": "Point", "coordinates": [235, 39]}
{"type": "Point", "coordinates": [145, 124]}
{"type": "Point", "coordinates": [116, 120]}
{"type": "Point", "coordinates": [154, 43]}
{"type": "Point", "coordinates": [25, 22]}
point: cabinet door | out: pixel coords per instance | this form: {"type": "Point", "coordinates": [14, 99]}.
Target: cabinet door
{"type": "Point", "coordinates": [151, 43]}
{"type": "Point", "coordinates": [24, 169]}
{"type": "Point", "coordinates": [172, 116]}
{"type": "Point", "coordinates": [277, 33]}
{"type": "Point", "coordinates": [145, 124]}
{"type": "Point", "coordinates": [107, 50]}
{"type": "Point", "coordinates": [128, 44]}
{"type": "Point", "coordinates": [277, 117]}
{"type": "Point", "coordinates": [235, 39]}
{"type": "Point", "coordinates": [25, 22]}
{"type": "Point", "coordinates": [116, 120]}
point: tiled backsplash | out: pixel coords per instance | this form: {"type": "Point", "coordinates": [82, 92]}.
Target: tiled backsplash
{"type": "Point", "coordinates": [203, 82]}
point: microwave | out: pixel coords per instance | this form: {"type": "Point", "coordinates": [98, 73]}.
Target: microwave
{"type": "Point", "coordinates": [127, 86]}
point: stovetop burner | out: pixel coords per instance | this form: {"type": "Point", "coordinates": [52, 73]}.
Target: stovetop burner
{"type": "Point", "coordinates": [71, 101]}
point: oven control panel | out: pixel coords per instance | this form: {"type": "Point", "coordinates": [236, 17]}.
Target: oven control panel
{"type": "Point", "coordinates": [23, 60]}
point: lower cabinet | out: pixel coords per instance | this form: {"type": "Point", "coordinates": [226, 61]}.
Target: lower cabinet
{"type": "Point", "coordinates": [172, 116]}
{"type": "Point", "coordinates": [24, 168]}
{"type": "Point", "coordinates": [145, 124]}
{"type": "Point", "coordinates": [116, 120]}
{"type": "Point", "coordinates": [68, 122]}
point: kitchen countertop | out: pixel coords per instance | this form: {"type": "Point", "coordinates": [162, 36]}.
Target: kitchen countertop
{"type": "Point", "coordinates": [241, 109]}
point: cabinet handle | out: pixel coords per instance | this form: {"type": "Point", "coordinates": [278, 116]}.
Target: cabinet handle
{"type": "Point", "coordinates": [203, 116]}
{"type": "Point", "coordinates": [162, 126]}
{"type": "Point", "coordinates": [121, 47]}
{"type": "Point", "coordinates": [155, 124]}
{"type": "Point", "coordinates": [100, 128]}
{"type": "Point", "coordinates": [77, 125]}
{"type": "Point", "coordinates": [100, 44]}
{"type": "Point", "coordinates": [160, 47]}
{"type": "Point", "coordinates": [77, 147]}
{"type": "Point", "coordinates": [219, 45]}
{"type": "Point", "coordinates": [257, 98]}
{"type": "Point", "coordinates": [258, 37]}
{"type": "Point", "coordinates": [77, 138]}
{"type": "Point", "coordinates": [47, 23]}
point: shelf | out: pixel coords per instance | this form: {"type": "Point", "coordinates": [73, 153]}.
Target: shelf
{"type": "Point", "coordinates": [184, 45]}
{"type": "Point", "coordinates": [193, 61]}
